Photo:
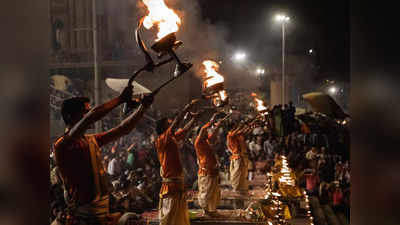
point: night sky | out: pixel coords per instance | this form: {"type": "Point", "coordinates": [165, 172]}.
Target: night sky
{"type": "Point", "coordinates": [320, 25]}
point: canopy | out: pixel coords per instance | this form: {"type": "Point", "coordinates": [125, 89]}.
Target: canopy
{"type": "Point", "coordinates": [119, 84]}
{"type": "Point", "coordinates": [325, 104]}
{"type": "Point", "coordinates": [300, 111]}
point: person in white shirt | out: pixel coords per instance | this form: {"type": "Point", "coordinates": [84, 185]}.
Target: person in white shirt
{"type": "Point", "coordinates": [255, 147]}
{"type": "Point", "coordinates": [269, 147]}
{"type": "Point", "coordinates": [312, 154]}
{"type": "Point", "coordinates": [114, 168]}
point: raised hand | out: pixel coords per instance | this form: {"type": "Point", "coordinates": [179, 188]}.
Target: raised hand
{"type": "Point", "coordinates": [190, 105]}
{"type": "Point", "coordinates": [147, 100]}
{"type": "Point", "coordinates": [126, 94]}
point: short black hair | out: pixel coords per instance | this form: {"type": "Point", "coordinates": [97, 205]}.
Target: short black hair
{"type": "Point", "coordinates": [160, 125]}
{"type": "Point", "coordinates": [72, 107]}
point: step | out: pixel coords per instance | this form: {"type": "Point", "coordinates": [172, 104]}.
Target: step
{"type": "Point", "coordinates": [230, 199]}
{"type": "Point", "coordinates": [226, 217]}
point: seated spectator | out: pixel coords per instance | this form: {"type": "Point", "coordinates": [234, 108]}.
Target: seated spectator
{"type": "Point", "coordinates": [269, 147]}
{"type": "Point", "coordinates": [255, 146]}
{"type": "Point", "coordinates": [130, 160]}
{"type": "Point", "coordinates": [114, 167]}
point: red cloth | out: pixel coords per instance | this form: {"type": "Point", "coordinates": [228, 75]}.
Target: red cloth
{"type": "Point", "coordinates": [311, 181]}
{"type": "Point", "coordinates": [337, 197]}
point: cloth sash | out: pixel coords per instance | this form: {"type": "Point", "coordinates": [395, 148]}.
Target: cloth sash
{"type": "Point", "coordinates": [213, 172]}
{"type": "Point", "coordinates": [172, 179]}
{"type": "Point", "coordinates": [179, 179]}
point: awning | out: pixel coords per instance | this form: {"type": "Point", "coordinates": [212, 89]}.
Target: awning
{"type": "Point", "coordinates": [60, 82]}
{"type": "Point", "coordinates": [119, 84]}
{"type": "Point", "coordinates": [323, 103]}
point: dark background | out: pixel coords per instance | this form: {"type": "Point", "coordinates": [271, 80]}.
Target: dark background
{"type": "Point", "coordinates": [323, 26]}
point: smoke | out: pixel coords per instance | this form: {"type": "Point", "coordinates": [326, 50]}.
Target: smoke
{"type": "Point", "coordinates": [205, 41]}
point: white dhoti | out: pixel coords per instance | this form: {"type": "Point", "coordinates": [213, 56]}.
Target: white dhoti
{"type": "Point", "coordinates": [239, 171]}
{"type": "Point", "coordinates": [173, 210]}
{"type": "Point", "coordinates": [209, 192]}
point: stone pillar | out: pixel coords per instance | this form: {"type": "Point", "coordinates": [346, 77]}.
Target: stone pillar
{"type": "Point", "coordinates": [276, 92]}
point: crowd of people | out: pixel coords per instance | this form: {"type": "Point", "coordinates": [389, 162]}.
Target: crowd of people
{"type": "Point", "coordinates": [133, 168]}
{"type": "Point", "coordinates": [321, 169]}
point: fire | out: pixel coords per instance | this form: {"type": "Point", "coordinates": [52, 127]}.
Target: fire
{"type": "Point", "coordinates": [260, 104]}
{"type": "Point", "coordinates": [212, 76]}
{"type": "Point", "coordinates": [286, 173]}
{"type": "Point", "coordinates": [223, 95]}
{"type": "Point", "coordinates": [165, 18]}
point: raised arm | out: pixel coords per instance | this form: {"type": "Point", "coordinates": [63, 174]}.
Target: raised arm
{"type": "Point", "coordinates": [237, 128]}
{"type": "Point", "coordinates": [131, 146]}
{"type": "Point", "coordinates": [97, 113]}
{"type": "Point", "coordinates": [248, 126]}
{"type": "Point", "coordinates": [217, 126]}
{"type": "Point", "coordinates": [190, 124]}
{"type": "Point", "coordinates": [203, 130]}
{"type": "Point", "coordinates": [181, 114]}
{"type": "Point", "coordinates": [127, 124]}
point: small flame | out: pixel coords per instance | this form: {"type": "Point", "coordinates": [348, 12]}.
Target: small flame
{"type": "Point", "coordinates": [223, 95]}
{"type": "Point", "coordinates": [212, 76]}
{"type": "Point", "coordinates": [165, 18]}
{"type": "Point", "coordinates": [260, 104]}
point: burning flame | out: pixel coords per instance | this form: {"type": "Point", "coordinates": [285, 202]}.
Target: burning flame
{"type": "Point", "coordinates": [223, 95]}
{"type": "Point", "coordinates": [212, 76]}
{"type": "Point", "coordinates": [165, 18]}
{"type": "Point", "coordinates": [260, 104]}
{"type": "Point", "coordinates": [286, 173]}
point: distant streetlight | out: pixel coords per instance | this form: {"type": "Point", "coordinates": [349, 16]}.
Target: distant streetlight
{"type": "Point", "coordinates": [260, 71]}
{"type": "Point", "coordinates": [240, 56]}
{"type": "Point", "coordinates": [283, 19]}
{"type": "Point", "coordinates": [333, 90]}
{"type": "Point", "coordinates": [310, 51]}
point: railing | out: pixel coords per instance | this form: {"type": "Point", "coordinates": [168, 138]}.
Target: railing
{"type": "Point", "coordinates": [85, 56]}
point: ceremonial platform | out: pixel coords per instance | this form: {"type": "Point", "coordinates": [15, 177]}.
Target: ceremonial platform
{"type": "Point", "coordinates": [231, 199]}
{"type": "Point", "coordinates": [232, 207]}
